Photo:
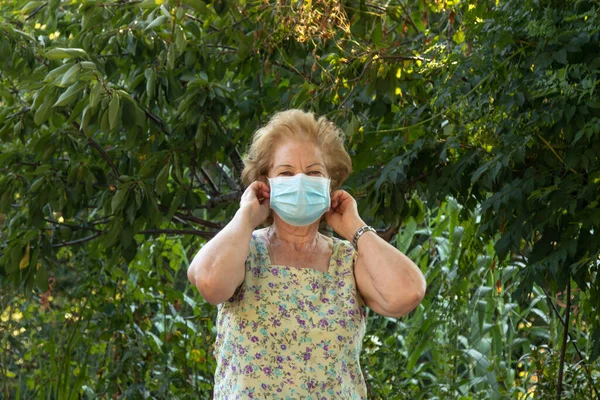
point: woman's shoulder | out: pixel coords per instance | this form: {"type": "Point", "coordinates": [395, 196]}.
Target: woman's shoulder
{"type": "Point", "coordinates": [258, 240]}
{"type": "Point", "coordinates": [259, 234]}
{"type": "Point", "coordinates": [342, 243]}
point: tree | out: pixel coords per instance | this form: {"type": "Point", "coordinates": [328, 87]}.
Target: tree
{"type": "Point", "coordinates": [126, 121]}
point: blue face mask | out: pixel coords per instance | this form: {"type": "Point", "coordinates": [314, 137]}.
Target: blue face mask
{"type": "Point", "coordinates": [300, 200]}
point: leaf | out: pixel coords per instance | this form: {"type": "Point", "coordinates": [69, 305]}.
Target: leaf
{"type": "Point", "coordinates": [376, 34]}
{"type": "Point", "coordinates": [353, 126]}
{"type": "Point", "coordinates": [478, 358]}
{"type": "Point", "coordinates": [86, 115]}
{"type": "Point", "coordinates": [149, 165]}
{"type": "Point", "coordinates": [150, 83]}
{"type": "Point", "coordinates": [42, 113]}
{"type": "Point", "coordinates": [156, 22]}
{"type": "Point", "coordinates": [59, 53]}
{"type": "Point", "coordinates": [69, 95]}
{"type": "Point", "coordinates": [171, 58]}
{"type": "Point", "coordinates": [32, 5]}
{"type": "Point", "coordinates": [118, 199]}
{"type": "Point", "coordinates": [405, 238]}
{"type": "Point", "coordinates": [199, 137]}
{"type": "Point", "coordinates": [561, 56]}
{"type": "Point", "coordinates": [114, 110]}
{"type": "Point", "coordinates": [161, 179]}
{"type": "Point", "coordinates": [56, 72]}
{"type": "Point", "coordinates": [70, 76]}
{"type": "Point", "coordinates": [25, 260]}
{"type": "Point", "coordinates": [95, 94]}
{"type": "Point", "coordinates": [180, 38]}
{"type": "Point", "coordinates": [41, 277]}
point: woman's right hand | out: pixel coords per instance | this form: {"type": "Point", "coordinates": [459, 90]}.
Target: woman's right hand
{"type": "Point", "coordinates": [256, 202]}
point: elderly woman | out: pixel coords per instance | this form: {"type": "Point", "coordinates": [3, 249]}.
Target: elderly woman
{"type": "Point", "coordinates": [291, 301]}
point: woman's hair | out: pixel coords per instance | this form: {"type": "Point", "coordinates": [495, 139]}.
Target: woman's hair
{"type": "Point", "coordinates": [299, 125]}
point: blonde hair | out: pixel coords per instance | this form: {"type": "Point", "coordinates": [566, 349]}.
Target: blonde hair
{"type": "Point", "coordinates": [297, 124]}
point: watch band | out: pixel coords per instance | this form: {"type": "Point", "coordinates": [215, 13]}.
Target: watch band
{"type": "Point", "coordinates": [359, 233]}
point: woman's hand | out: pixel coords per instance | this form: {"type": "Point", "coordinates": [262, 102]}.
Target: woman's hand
{"type": "Point", "coordinates": [255, 201]}
{"type": "Point", "coordinates": [343, 215]}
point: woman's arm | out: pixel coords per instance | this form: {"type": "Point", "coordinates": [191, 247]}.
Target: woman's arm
{"type": "Point", "coordinates": [219, 267]}
{"type": "Point", "coordinates": [388, 281]}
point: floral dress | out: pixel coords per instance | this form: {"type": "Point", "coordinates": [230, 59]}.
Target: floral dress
{"type": "Point", "coordinates": [292, 333]}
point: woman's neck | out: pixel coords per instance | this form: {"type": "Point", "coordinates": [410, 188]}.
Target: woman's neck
{"type": "Point", "coordinates": [299, 237]}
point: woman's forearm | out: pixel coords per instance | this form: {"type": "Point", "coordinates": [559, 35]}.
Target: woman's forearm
{"type": "Point", "coordinates": [219, 267]}
{"type": "Point", "coordinates": [396, 278]}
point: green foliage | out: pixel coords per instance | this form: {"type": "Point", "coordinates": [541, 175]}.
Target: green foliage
{"type": "Point", "coordinates": [124, 122]}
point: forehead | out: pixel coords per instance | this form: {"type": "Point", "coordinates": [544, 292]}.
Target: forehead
{"type": "Point", "coordinates": [297, 153]}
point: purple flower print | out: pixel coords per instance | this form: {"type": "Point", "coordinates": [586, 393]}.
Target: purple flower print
{"type": "Point", "coordinates": [323, 323]}
{"type": "Point", "coordinates": [311, 306]}
{"type": "Point", "coordinates": [315, 285]}
{"type": "Point", "coordinates": [340, 338]}
{"type": "Point", "coordinates": [275, 271]}
{"type": "Point", "coordinates": [279, 359]}
{"type": "Point", "coordinates": [284, 312]}
{"type": "Point", "coordinates": [338, 262]}
{"type": "Point", "coordinates": [311, 384]}
{"type": "Point", "coordinates": [267, 370]}
{"type": "Point", "coordinates": [276, 322]}
{"type": "Point", "coordinates": [301, 321]}
{"type": "Point", "coordinates": [330, 311]}
{"type": "Point", "coordinates": [248, 369]}
{"type": "Point", "coordinates": [283, 347]}
{"type": "Point", "coordinates": [258, 356]}
{"type": "Point", "coordinates": [271, 285]}
{"type": "Point", "coordinates": [351, 312]}
{"type": "Point", "coordinates": [341, 284]}
{"type": "Point", "coordinates": [307, 354]}
{"type": "Point", "coordinates": [351, 301]}
{"type": "Point", "coordinates": [342, 323]}
{"type": "Point", "coordinates": [325, 300]}
{"type": "Point", "coordinates": [254, 339]}
{"type": "Point", "coordinates": [264, 386]}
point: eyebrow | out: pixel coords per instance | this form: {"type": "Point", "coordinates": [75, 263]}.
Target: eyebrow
{"type": "Point", "coordinates": [291, 166]}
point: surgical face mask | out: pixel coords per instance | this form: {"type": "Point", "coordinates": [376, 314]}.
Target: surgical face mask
{"type": "Point", "coordinates": [300, 200]}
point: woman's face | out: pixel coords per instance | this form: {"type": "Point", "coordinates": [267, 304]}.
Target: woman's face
{"type": "Point", "coordinates": [292, 157]}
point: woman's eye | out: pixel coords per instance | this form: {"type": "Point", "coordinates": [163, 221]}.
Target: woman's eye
{"type": "Point", "coordinates": [286, 173]}
{"type": "Point", "coordinates": [315, 173]}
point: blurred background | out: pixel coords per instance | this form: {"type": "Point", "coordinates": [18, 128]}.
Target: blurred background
{"type": "Point", "coordinates": [473, 128]}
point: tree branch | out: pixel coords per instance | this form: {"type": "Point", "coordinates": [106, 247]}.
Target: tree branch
{"type": "Point", "coordinates": [211, 183]}
{"type": "Point", "coordinates": [225, 198]}
{"type": "Point", "coordinates": [563, 350]}
{"type": "Point", "coordinates": [95, 145]}
{"type": "Point", "coordinates": [78, 241]}
{"type": "Point", "coordinates": [203, 234]}
{"type": "Point", "coordinates": [574, 343]}
{"type": "Point", "coordinates": [191, 218]}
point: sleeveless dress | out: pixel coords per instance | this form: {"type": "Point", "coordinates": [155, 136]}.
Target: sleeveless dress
{"type": "Point", "coordinates": [292, 333]}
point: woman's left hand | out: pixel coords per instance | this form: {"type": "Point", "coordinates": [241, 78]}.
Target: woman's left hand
{"type": "Point", "coordinates": [343, 215]}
